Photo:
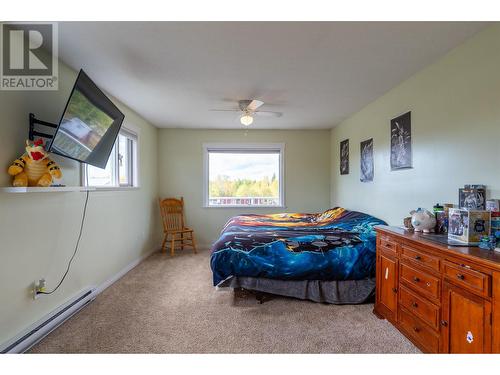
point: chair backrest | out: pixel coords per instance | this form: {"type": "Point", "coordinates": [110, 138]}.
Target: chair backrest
{"type": "Point", "coordinates": [172, 213]}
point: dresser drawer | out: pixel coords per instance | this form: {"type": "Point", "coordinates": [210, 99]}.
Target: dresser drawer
{"type": "Point", "coordinates": [421, 281]}
{"type": "Point", "coordinates": [386, 244]}
{"type": "Point", "coordinates": [419, 331]}
{"type": "Point", "coordinates": [420, 258]}
{"type": "Point", "coordinates": [468, 278]}
{"type": "Point", "coordinates": [420, 307]}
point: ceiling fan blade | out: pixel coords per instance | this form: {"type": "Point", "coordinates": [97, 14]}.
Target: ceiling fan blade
{"type": "Point", "coordinates": [224, 110]}
{"type": "Point", "coordinates": [268, 114]}
{"type": "Point", "coordinates": [253, 105]}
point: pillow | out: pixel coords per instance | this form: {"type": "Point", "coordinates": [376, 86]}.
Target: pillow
{"type": "Point", "coordinates": [330, 214]}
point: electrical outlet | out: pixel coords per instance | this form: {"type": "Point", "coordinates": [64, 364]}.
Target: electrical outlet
{"type": "Point", "coordinates": [38, 286]}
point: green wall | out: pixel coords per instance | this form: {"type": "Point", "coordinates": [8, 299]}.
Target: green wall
{"type": "Point", "coordinates": [38, 231]}
{"type": "Point", "coordinates": [455, 105]}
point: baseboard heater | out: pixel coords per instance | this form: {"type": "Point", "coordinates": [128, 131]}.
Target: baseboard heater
{"type": "Point", "coordinates": [44, 326]}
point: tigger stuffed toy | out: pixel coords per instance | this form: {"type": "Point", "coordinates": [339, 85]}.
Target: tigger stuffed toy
{"type": "Point", "coordinates": [34, 168]}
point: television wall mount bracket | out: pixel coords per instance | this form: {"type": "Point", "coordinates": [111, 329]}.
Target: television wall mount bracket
{"type": "Point", "coordinates": [34, 133]}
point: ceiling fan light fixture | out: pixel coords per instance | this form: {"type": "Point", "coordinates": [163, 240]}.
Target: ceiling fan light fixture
{"type": "Point", "coordinates": [246, 119]}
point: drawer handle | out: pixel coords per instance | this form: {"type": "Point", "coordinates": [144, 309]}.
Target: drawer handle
{"type": "Point", "coordinates": [418, 257]}
{"type": "Point", "coordinates": [444, 323]}
{"type": "Point", "coordinates": [460, 276]}
{"type": "Point", "coordinates": [395, 290]}
{"type": "Point", "coordinates": [416, 329]}
{"type": "Point", "coordinates": [416, 279]}
{"type": "Point", "coordinates": [388, 245]}
{"type": "Point", "coordinates": [414, 304]}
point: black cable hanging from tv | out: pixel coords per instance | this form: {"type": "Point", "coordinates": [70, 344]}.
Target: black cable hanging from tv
{"type": "Point", "coordinates": [76, 248]}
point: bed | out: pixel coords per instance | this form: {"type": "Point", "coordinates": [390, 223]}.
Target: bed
{"type": "Point", "coordinates": [324, 257]}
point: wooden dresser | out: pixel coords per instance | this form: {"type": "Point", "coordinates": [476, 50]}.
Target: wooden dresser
{"type": "Point", "coordinates": [445, 299]}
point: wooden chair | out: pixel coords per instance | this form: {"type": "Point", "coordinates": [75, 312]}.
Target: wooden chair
{"type": "Point", "coordinates": [172, 214]}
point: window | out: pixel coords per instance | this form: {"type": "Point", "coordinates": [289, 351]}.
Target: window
{"type": "Point", "coordinates": [243, 175]}
{"type": "Point", "coordinates": [121, 169]}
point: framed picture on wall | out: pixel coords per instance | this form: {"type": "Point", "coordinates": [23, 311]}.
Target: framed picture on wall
{"type": "Point", "coordinates": [401, 153]}
{"type": "Point", "coordinates": [344, 157]}
{"type": "Point", "coordinates": [366, 161]}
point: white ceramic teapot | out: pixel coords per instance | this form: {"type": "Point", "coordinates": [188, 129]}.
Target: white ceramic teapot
{"type": "Point", "coordinates": [423, 220]}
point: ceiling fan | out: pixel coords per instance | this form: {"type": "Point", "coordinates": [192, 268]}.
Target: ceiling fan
{"type": "Point", "coordinates": [248, 109]}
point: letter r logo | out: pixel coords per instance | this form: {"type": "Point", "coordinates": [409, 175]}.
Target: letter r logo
{"type": "Point", "coordinates": [29, 56]}
{"type": "Point", "coordinates": [27, 49]}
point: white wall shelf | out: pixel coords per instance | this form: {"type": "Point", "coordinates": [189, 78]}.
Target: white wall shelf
{"type": "Point", "coordinates": [50, 189]}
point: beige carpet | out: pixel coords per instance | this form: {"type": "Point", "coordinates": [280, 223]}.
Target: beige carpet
{"type": "Point", "coordinates": [167, 305]}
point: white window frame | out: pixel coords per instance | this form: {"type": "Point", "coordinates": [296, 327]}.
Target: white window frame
{"type": "Point", "coordinates": [244, 147]}
{"type": "Point", "coordinates": [131, 132]}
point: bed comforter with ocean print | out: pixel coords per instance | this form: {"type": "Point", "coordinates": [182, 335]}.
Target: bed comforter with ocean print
{"type": "Point", "coordinates": [334, 245]}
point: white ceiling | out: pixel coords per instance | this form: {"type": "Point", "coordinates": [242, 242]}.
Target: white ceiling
{"type": "Point", "coordinates": [317, 74]}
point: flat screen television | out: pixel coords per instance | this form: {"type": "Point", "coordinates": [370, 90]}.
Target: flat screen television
{"type": "Point", "coordinates": [89, 125]}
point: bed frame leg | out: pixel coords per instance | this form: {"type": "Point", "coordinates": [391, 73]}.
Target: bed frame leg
{"type": "Point", "coordinates": [260, 297]}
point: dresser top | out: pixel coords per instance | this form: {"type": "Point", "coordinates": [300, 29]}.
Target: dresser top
{"type": "Point", "coordinates": [487, 257]}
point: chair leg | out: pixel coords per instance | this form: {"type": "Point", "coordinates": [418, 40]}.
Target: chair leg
{"type": "Point", "coordinates": [172, 245]}
{"type": "Point", "coordinates": [163, 248]}
{"type": "Point", "coordinates": [193, 243]}
{"type": "Point", "coordinates": [182, 241]}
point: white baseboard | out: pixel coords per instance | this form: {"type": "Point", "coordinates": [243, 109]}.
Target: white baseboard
{"type": "Point", "coordinates": [35, 335]}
